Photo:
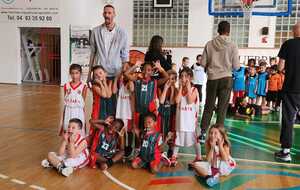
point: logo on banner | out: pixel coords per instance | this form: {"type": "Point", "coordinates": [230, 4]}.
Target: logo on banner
{"type": "Point", "coordinates": [8, 1]}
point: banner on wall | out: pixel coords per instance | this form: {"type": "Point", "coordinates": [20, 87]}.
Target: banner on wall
{"type": "Point", "coordinates": [80, 48]}
{"type": "Point", "coordinates": [29, 11]}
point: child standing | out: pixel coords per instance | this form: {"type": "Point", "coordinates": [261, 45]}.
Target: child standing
{"type": "Point", "coordinates": [251, 85]}
{"type": "Point", "coordinates": [187, 101]}
{"type": "Point", "coordinates": [151, 147]}
{"type": "Point", "coordinates": [199, 76]}
{"type": "Point", "coordinates": [102, 91]}
{"type": "Point", "coordinates": [73, 152]}
{"type": "Point", "coordinates": [262, 85]}
{"type": "Point", "coordinates": [108, 143]}
{"type": "Point", "coordinates": [167, 110]}
{"type": "Point", "coordinates": [273, 88]}
{"type": "Point", "coordinates": [75, 93]}
{"type": "Point", "coordinates": [219, 161]}
{"type": "Point", "coordinates": [238, 83]}
{"type": "Point", "coordinates": [125, 88]}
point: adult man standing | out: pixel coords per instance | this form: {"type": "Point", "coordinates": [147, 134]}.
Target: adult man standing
{"type": "Point", "coordinates": [220, 57]}
{"type": "Point", "coordinates": [290, 61]}
{"type": "Point", "coordinates": [109, 45]}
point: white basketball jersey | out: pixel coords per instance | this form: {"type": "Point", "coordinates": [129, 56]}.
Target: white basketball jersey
{"type": "Point", "coordinates": [73, 97]}
{"type": "Point", "coordinates": [123, 104]}
{"type": "Point", "coordinates": [186, 114]}
{"type": "Point", "coordinates": [199, 74]}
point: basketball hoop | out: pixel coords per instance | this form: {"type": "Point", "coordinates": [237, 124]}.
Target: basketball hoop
{"type": "Point", "coordinates": [247, 6]}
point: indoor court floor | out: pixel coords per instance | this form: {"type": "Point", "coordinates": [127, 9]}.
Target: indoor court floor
{"type": "Point", "coordinates": [29, 119]}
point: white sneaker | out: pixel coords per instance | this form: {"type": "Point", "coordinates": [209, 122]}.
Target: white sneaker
{"type": "Point", "coordinates": [46, 164]}
{"type": "Point", "coordinates": [67, 171]}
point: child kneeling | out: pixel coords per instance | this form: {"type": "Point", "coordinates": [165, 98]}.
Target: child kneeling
{"type": "Point", "coordinates": [150, 155]}
{"type": "Point", "coordinates": [219, 161]}
{"type": "Point", "coordinates": [73, 152]}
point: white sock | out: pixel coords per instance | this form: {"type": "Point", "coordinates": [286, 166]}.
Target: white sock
{"type": "Point", "coordinates": [175, 151]}
{"type": "Point", "coordinates": [197, 150]}
{"type": "Point", "coordinates": [286, 150]}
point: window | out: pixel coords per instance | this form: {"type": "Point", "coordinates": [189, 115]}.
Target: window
{"type": "Point", "coordinates": [170, 23]}
{"type": "Point", "coordinates": [284, 25]}
{"type": "Point", "coordinates": [239, 29]}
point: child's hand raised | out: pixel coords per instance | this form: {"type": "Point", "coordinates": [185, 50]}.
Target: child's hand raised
{"type": "Point", "coordinates": [169, 136]}
{"type": "Point", "coordinates": [157, 65]}
{"type": "Point", "coordinates": [65, 136]}
{"type": "Point", "coordinates": [167, 84]}
{"type": "Point", "coordinates": [213, 142]}
{"type": "Point", "coordinates": [220, 141]}
{"type": "Point", "coordinates": [72, 138]}
{"type": "Point", "coordinates": [109, 120]}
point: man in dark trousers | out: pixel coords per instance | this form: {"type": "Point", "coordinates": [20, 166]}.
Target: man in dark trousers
{"type": "Point", "coordinates": [220, 57]}
{"type": "Point", "coordinates": [290, 61]}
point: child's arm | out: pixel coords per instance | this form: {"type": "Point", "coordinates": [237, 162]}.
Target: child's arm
{"type": "Point", "coordinates": [84, 92]}
{"type": "Point", "coordinates": [115, 85]}
{"type": "Point", "coordinates": [163, 95]}
{"type": "Point", "coordinates": [63, 145]}
{"type": "Point", "coordinates": [224, 150]}
{"type": "Point", "coordinates": [75, 151]}
{"type": "Point", "coordinates": [109, 88]}
{"type": "Point", "coordinates": [191, 95]}
{"type": "Point", "coordinates": [165, 75]}
{"type": "Point", "coordinates": [172, 95]}
{"type": "Point", "coordinates": [99, 89]}
{"type": "Point", "coordinates": [130, 86]}
{"type": "Point", "coordinates": [209, 152]}
{"type": "Point", "coordinates": [179, 94]}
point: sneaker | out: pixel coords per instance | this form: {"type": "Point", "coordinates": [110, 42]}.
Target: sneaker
{"type": "Point", "coordinates": [67, 171]}
{"type": "Point", "coordinates": [212, 181]}
{"type": "Point", "coordinates": [286, 157]}
{"type": "Point", "coordinates": [173, 161]}
{"type": "Point", "coordinates": [202, 138]}
{"type": "Point", "coordinates": [165, 160]}
{"type": "Point", "coordinates": [46, 164]}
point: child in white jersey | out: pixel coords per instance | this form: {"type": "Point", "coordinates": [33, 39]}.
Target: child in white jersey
{"type": "Point", "coordinates": [73, 152]}
{"type": "Point", "coordinates": [125, 88]}
{"type": "Point", "coordinates": [187, 101]}
{"type": "Point", "coordinates": [199, 76]}
{"type": "Point", "coordinates": [219, 161]}
{"type": "Point", "coordinates": [74, 97]}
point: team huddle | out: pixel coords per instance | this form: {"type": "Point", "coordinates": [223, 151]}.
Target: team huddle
{"type": "Point", "coordinates": [135, 117]}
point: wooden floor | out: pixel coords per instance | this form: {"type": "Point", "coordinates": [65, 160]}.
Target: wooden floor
{"type": "Point", "coordinates": [29, 118]}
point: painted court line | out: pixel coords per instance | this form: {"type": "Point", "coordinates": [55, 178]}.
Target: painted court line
{"type": "Point", "coordinates": [254, 161]}
{"type": "Point", "coordinates": [3, 176]}
{"type": "Point", "coordinates": [37, 187]}
{"type": "Point", "coordinates": [18, 181]}
{"type": "Point", "coordinates": [112, 178]}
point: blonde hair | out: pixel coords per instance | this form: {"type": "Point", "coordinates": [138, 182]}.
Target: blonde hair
{"type": "Point", "coordinates": [222, 130]}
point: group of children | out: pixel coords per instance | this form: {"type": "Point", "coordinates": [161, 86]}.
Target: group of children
{"type": "Point", "coordinates": [135, 118]}
{"type": "Point", "coordinates": [257, 89]}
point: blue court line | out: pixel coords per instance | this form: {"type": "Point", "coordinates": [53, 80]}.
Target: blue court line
{"type": "Point", "coordinates": [287, 188]}
{"type": "Point", "coordinates": [235, 171]}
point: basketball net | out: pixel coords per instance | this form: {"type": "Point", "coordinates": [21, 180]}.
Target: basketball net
{"type": "Point", "coordinates": [247, 6]}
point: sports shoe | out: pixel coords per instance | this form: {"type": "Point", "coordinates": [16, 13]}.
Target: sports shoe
{"type": "Point", "coordinates": [67, 171]}
{"type": "Point", "coordinates": [165, 160]}
{"type": "Point", "coordinates": [212, 181]}
{"type": "Point", "coordinates": [286, 157]}
{"type": "Point", "coordinates": [202, 137]}
{"type": "Point", "coordinates": [173, 161]}
{"type": "Point", "coordinates": [46, 164]}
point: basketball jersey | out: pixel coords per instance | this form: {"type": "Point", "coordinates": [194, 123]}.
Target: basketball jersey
{"type": "Point", "coordinates": [74, 104]}
{"type": "Point", "coordinates": [187, 114]}
{"type": "Point", "coordinates": [148, 147]}
{"type": "Point", "coordinates": [107, 148]}
{"type": "Point", "coordinates": [199, 74]}
{"type": "Point", "coordinates": [123, 104]}
{"type": "Point", "coordinates": [145, 94]}
{"type": "Point", "coordinates": [262, 84]}
{"type": "Point", "coordinates": [251, 86]}
{"type": "Point", "coordinates": [239, 79]}
{"type": "Point", "coordinates": [85, 152]}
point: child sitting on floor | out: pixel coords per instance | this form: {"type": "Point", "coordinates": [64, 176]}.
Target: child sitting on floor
{"type": "Point", "coordinates": [219, 161]}
{"type": "Point", "coordinates": [73, 152]}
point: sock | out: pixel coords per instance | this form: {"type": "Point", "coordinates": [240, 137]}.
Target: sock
{"type": "Point", "coordinates": [197, 150]}
{"type": "Point", "coordinates": [286, 150]}
{"type": "Point", "coordinates": [175, 151]}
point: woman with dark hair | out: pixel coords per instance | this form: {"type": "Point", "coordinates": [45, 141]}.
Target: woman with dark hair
{"type": "Point", "coordinates": [155, 53]}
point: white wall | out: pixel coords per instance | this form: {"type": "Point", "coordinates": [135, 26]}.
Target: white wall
{"type": "Point", "coordinates": [82, 12]}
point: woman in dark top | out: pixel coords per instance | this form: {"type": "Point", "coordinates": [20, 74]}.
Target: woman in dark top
{"type": "Point", "coordinates": [155, 53]}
